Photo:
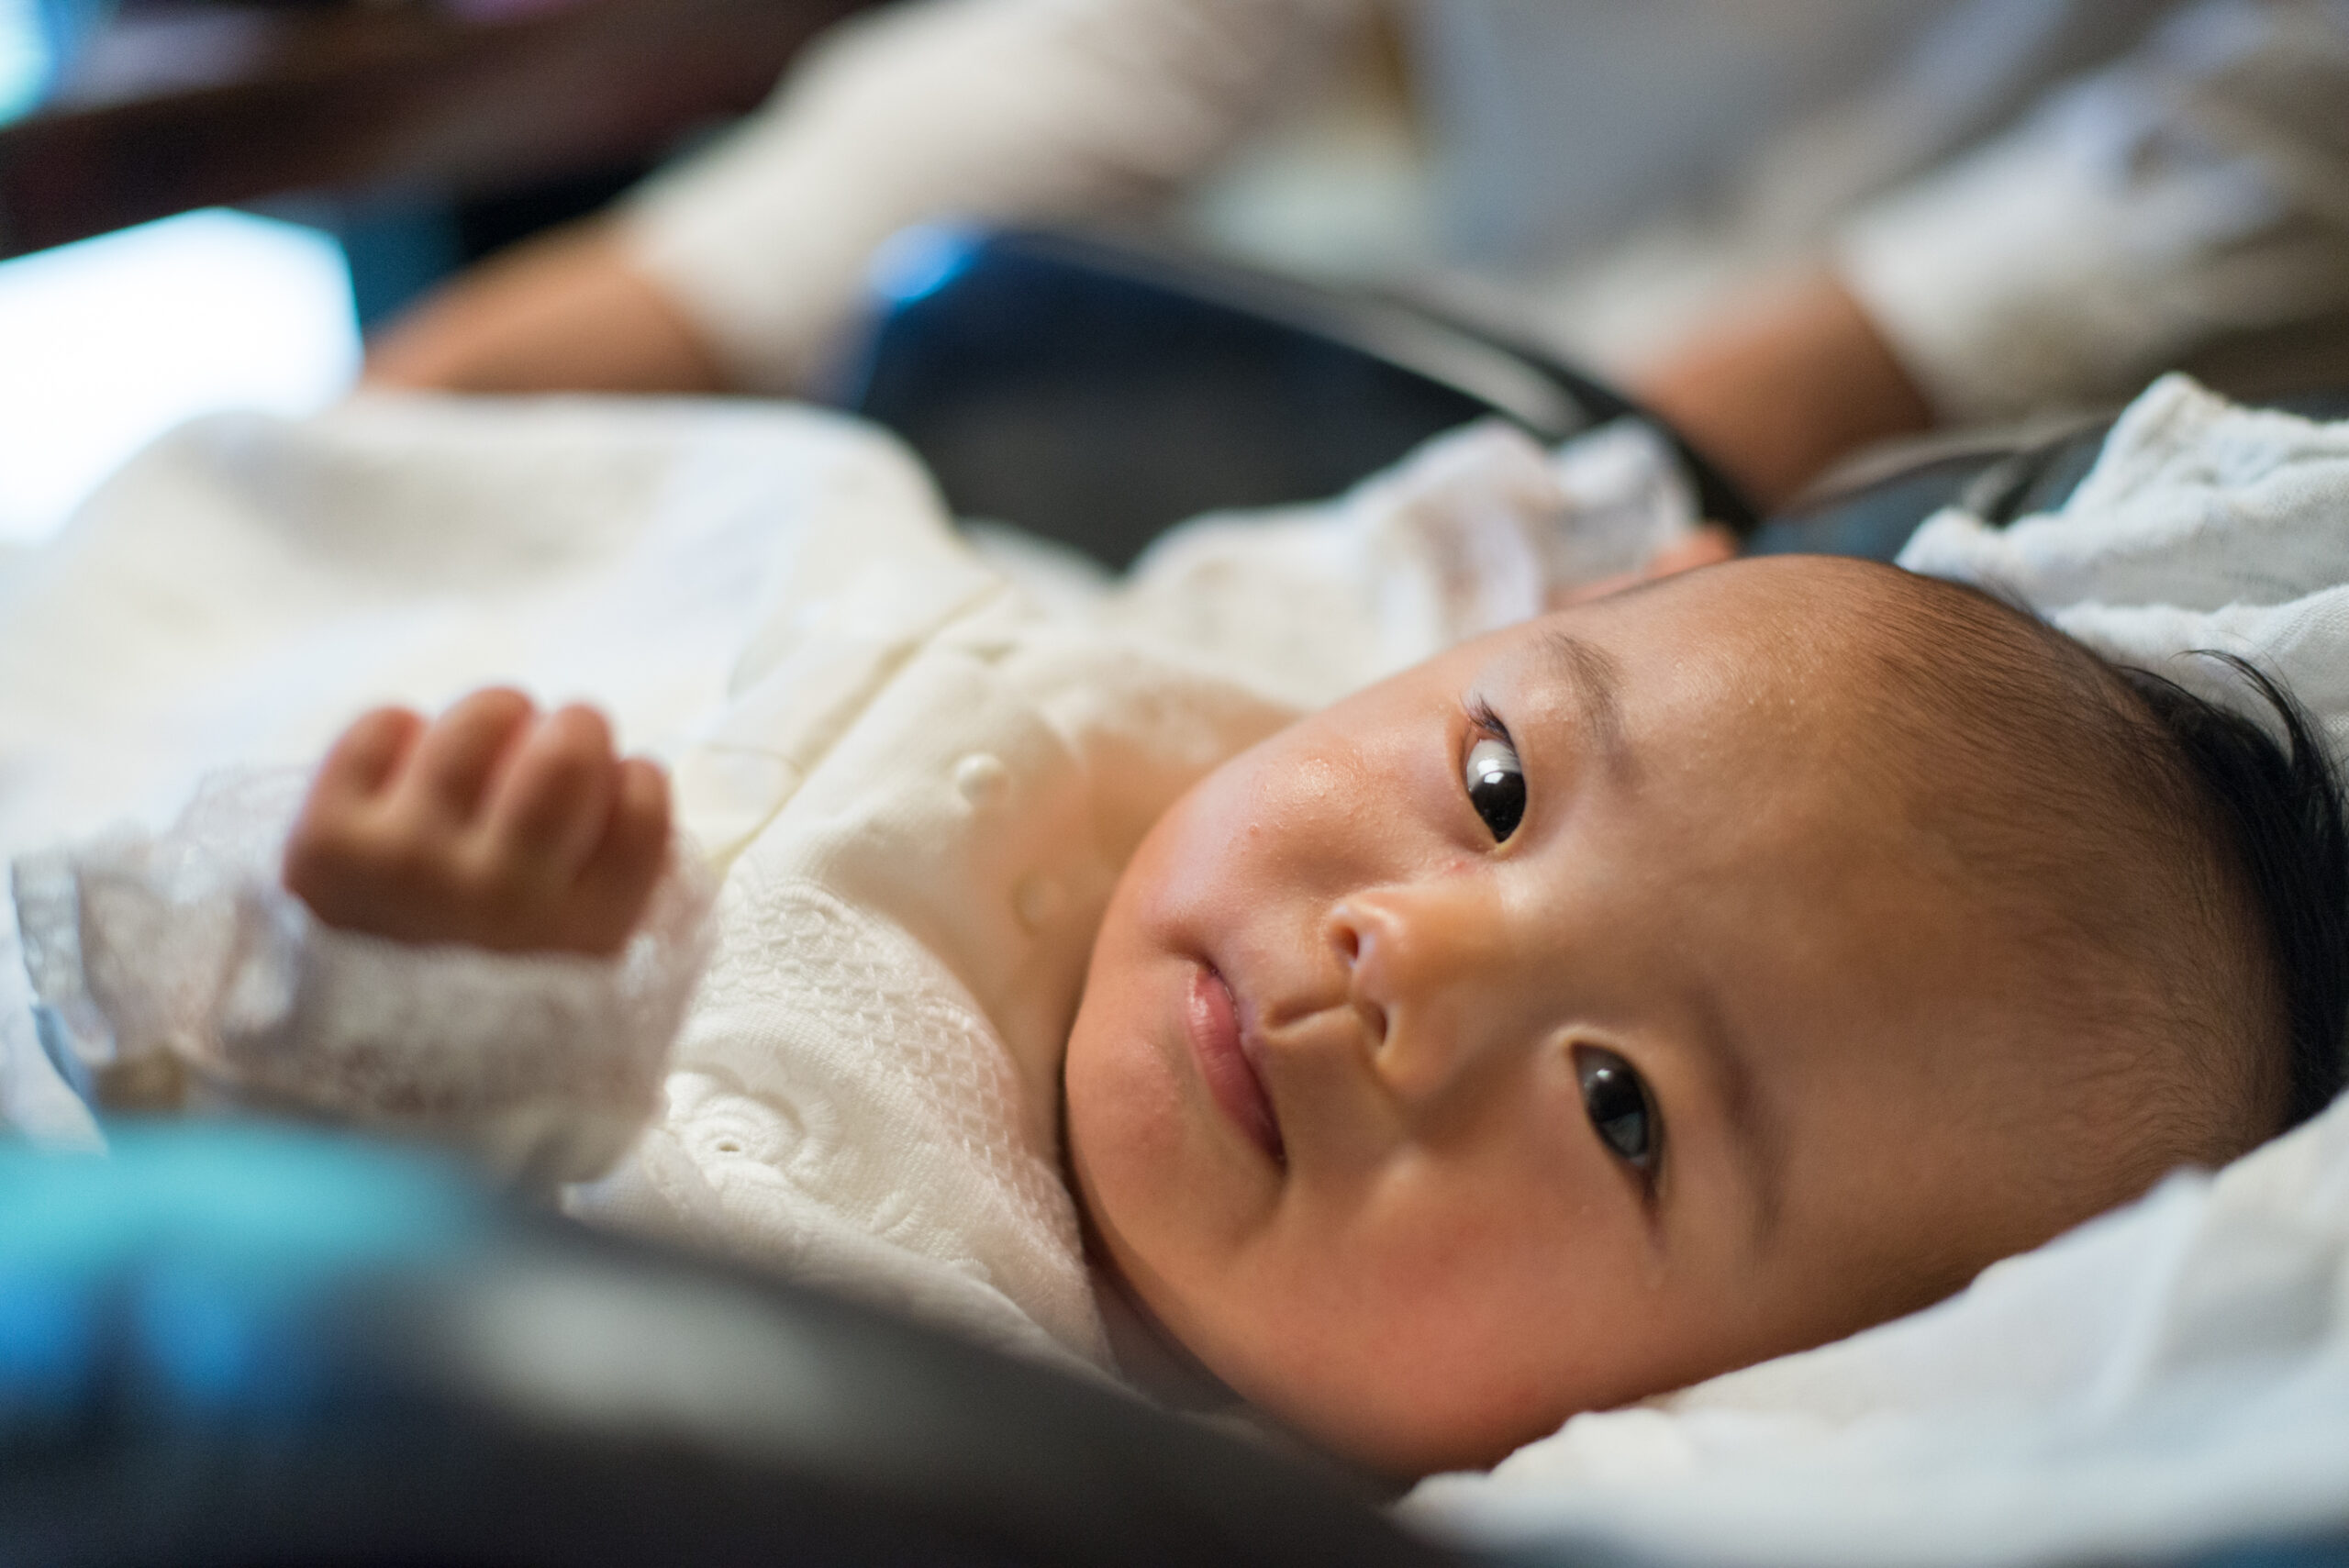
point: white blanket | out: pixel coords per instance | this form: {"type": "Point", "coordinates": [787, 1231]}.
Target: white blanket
{"type": "Point", "coordinates": [2169, 1377]}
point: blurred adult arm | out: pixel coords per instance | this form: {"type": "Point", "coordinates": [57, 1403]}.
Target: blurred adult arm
{"type": "Point", "coordinates": [737, 269]}
{"type": "Point", "coordinates": [2197, 190]}
{"type": "Point", "coordinates": [571, 310]}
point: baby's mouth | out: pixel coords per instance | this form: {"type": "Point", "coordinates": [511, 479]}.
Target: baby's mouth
{"type": "Point", "coordinates": [1213, 1017]}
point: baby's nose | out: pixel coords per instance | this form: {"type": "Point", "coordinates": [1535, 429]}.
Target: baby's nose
{"type": "Point", "coordinates": [1426, 970]}
{"type": "Point", "coordinates": [1362, 936]}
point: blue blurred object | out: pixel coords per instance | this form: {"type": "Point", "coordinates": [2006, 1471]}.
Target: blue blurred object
{"type": "Point", "coordinates": [916, 262]}
{"type": "Point", "coordinates": [197, 1251]}
{"type": "Point", "coordinates": [396, 252]}
{"type": "Point", "coordinates": [23, 57]}
{"type": "Point", "coordinates": [39, 41]}
{"type": "Point", "coordinates": [236, 1344]}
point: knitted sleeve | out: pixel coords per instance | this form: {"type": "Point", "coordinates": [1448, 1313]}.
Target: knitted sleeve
{"type": "Point", "coordinates": [173, 971]}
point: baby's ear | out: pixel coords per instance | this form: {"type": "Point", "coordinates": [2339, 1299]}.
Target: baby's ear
{"type": "Point", "coordinates": [1709, 545]}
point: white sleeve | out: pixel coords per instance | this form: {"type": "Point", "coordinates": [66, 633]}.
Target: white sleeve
{"type": "Point", "coordinates": [2196, 189]}
{"type": "Point", "coordinates": [175, 971]}
{"type": "Point", "coordinates": [979, 109]}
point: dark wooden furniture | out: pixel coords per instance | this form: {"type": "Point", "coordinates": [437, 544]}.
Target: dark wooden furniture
{"type": "Point", "coordinates": [180, 105]}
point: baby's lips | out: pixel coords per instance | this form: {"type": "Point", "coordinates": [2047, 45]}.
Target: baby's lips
{"type": "Point", "coordinates": [1252, 1051]}
{"type": "Point", "coordinates": [1226, 1062]}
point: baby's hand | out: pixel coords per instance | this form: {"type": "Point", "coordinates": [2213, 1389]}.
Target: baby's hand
{"type": "Point", "coordinates": [493, 825]}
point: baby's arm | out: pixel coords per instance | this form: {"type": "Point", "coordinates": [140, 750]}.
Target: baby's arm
{"type": "Point", "coordinates": [476, 932]}
{"type": "Point", "coordinates": [493, 824]}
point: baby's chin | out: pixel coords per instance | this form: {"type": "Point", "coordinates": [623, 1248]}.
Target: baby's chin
{"type": "Point", "coordinates": [1394, 1423]}
{"type": "Point", "coordinates": [1388, 1443]}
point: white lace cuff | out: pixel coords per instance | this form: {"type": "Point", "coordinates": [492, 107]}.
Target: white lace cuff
{"type": "Point", "coordinates": [175, 971]}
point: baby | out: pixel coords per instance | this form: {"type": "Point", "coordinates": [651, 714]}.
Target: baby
{"type": "Point", "coordinates": [1683, 979]}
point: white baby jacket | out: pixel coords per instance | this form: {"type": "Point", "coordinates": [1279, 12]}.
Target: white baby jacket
{"type": "Point", "coordinates": [920, 797]}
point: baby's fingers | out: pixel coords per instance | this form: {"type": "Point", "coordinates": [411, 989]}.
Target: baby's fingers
{"type": "Point", "coordinates": [554, 798]}
{"type": "Point", "coordinates": [365, 758]}
{"type": "Point", "coordinates": [451, 763]}
{"type": "Point", "coordinates": [616, 882]}
{"type": "Point", "coordinates": [330, 853]}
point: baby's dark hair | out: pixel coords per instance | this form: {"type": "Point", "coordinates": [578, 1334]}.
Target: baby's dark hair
{"type": "Point", "coordinates": [2179, 869]}
{"type": "Point", "coordinates": [2282, 809]}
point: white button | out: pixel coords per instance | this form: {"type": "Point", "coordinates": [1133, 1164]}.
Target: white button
{"type": "Point", "coordinates": [981, 779]}
{"type": "Point", "coordinates": [1036, 898]}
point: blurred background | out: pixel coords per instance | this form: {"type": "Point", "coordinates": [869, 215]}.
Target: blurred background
{"type": "Point", "coordinates": [1801, 231]}
{"type": "Point", "coordinates": [202, 206]}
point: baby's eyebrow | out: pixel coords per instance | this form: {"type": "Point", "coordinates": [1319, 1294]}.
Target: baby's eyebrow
{"type": "Point", "coordinates": [1597, 681]}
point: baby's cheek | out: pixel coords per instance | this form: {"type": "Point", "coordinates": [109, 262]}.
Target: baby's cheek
{"type": "Point", "coordinates": [1481, 1301]}
{"type": "Point", "coordinates": [1120, 1105]}
{"type": "Point", "coordinates": [1122, 1098]}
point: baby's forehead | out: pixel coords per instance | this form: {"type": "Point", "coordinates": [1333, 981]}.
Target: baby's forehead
{"type": "Point", "coordinates": [1831, 755]}
{"type": "Point", "coordinates": [1891, 753]}
{"type": "Point", "coordinates": [1920, 855]}
{"type": "Point", "coordinates": [1876, 663]}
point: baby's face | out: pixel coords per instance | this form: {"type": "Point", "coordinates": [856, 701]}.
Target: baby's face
{"type": "Point", "coordinates": [1549, 1026]}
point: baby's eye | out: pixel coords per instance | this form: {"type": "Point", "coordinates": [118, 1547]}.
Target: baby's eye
{"type": "Point", "coordinates": [1617, 1104]}
{"type": "Point", "coordinates": [1496, 786]}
